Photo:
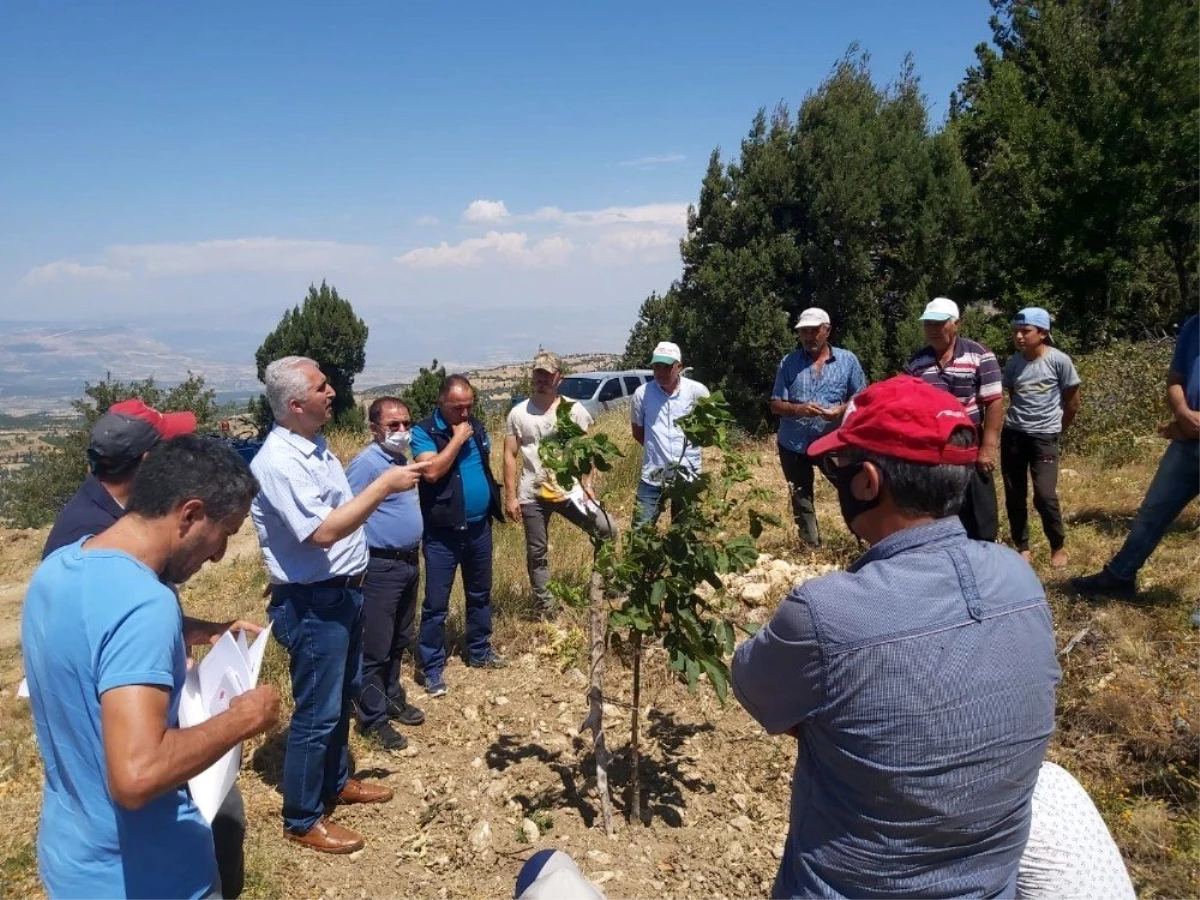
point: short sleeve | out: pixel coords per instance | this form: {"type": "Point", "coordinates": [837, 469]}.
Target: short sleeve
{"type": "Point", "coordinates": [1185, 346]}
{"type": "Point", "coordinates": [858, 378]}
{"type": "Point", "coordinates": [780, 391]}
{"type": "Point", "coordinates": [581, 417]}
{"type": "Point", "coordinates": [360, 473]}
{"type": "Point", "coordinates": [290, 490]}
{"type": "Point", "coordinates": [421, 442]}
{"type": "Point", "coordinates": [1009, 375]}
{"type": "Point", "coordinates": [990, 380]}
{"type": "Point", "coordinates": [637, 407]}
{"type": "Point", "coordinates": [142, 641]}
{"type": "Point", "coordinates": [701, 390]}
{"type": "Point", "coordinates": [510, 423]}
{"type": "Point", "coordinates": [784, 652]}
{"type": "Point", "coordinates": [1068, 376]}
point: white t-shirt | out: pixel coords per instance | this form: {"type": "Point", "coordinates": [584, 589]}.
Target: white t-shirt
{"type": "Point", "coordinates": [1070, 853]}
{"type": "Point", "coordinates": [530, 428]}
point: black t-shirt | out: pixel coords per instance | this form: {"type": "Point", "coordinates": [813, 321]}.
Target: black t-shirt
{"type": "Point", "coordinates": [90, 511]}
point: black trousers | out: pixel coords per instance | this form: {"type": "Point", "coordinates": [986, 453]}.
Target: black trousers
{"type": "Point", "coordinates": [1023, 455]}
{"type": "Point", "coordinates": [229, 836]}
{"type": "Point", "coordinates": [798, 470]}
{"type": "Point", "coordinates": [389, 609]}
{"type": "Point", "coordinates": [979, 514]}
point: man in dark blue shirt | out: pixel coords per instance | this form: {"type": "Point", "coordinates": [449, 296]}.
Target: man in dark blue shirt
{"type": "Point", "coordinates": [459, 499]}
{"type": "Point", "coordinates": [919, 683]}
{"type": "Point", "coordinates": [1175, 484]}
{"type": "Point", "coordinates": [393, 576]}
{"type": "Point", "coordinates": [119, 440]}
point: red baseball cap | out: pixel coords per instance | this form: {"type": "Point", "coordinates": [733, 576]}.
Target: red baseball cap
{"type": "Point", "coordinates": [168, 425]}
{"type": "Point", "coordinates": [905, 418]}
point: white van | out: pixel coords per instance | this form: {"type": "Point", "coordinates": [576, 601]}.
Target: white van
{"type": "Point", "coordinates": [602, 391]}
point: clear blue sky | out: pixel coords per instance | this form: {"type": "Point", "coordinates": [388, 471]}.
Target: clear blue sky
{"type": "Point", "coordinates": [161, 159]}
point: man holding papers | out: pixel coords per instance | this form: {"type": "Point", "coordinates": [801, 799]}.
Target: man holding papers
{"type": "Point", "coordinates": [105, 646]}
{"type": "Point", "coordinates": [309, 524]}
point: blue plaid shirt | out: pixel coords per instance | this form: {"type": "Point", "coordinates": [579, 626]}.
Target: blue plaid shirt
{"type": "Point", "coordinates": [921, 682]}
{"type": "Point", "coordinates": [798, 381]}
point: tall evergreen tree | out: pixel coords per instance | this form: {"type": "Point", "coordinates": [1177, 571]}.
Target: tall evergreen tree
{"type": "Point", "coordinates": [325, 329]}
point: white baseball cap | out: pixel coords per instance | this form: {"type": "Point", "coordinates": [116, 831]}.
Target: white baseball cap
{"type": "Point", "coordinates": [666, 352]}
{"type": "Point", "coordinates": [813, 317]}
{"type": "Point", "coordinates": [940, 309]}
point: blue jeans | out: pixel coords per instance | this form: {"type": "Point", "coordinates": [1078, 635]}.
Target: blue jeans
{"type": "Point", "coordinates": [649, 504]}
{"type": "Point", "coordinates": [1174, 486]}
{"type": "Point", "coordinates": [446, 549]}
{"type": "Point", "coordinates": [321, 629]}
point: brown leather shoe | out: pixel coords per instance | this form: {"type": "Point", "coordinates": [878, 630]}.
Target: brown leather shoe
{"type": "Point", "coordinates": [357, 791]}
{"type": "Point", "coordinates": [328, 836]}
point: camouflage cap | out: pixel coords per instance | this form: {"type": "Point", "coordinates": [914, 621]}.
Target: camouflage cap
{"type": "Point", "coordinates": [548, 362]}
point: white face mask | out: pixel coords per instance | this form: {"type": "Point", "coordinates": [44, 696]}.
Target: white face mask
{"type": "Point", "coordinates": [398, 441]}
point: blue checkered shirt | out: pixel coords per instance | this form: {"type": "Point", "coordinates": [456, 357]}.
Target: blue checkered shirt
{"type": "Point", "coordinates": [921, 683]}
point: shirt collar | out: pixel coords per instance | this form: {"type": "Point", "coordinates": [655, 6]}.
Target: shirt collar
{"type": "Point", "coordinates": [388, 458]}
{"type": "Point", "coordinates": [301, 443]}
{"type": "Point", "coordinates": [947, 530]}
{"type": "Point", "coordinates": [100, 496]}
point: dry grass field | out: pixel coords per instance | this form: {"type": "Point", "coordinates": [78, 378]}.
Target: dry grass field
{"type": "Point", "coordinates": [502, 749]}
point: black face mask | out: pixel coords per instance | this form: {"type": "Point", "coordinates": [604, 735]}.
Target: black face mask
{"type": "Point", "coordinates": [850, 505]}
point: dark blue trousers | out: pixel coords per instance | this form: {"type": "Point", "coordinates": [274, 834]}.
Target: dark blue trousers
{"type": "Point", "coordinates": [446, 549]}
{"type": "Point", "coordinates": [321, 629]}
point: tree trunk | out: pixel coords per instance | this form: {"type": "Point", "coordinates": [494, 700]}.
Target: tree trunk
{"type": "Point", "coordinates": [635, 759]}
{"type": "Point", "coordinates": [595, 717]}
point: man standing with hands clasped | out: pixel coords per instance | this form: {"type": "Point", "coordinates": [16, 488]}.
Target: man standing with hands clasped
{"type": "Point", "coordinates": [309, 524]}
{"type": "Point", "coordinates": [812, 387]}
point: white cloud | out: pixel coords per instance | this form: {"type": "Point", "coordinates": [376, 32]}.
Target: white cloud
{"type": "Point", "coordinates": [256, 254]}
{"type": "Point", "coordinates": [427, 221]}
{"type": "Point", "coordinates": [512, 247]}
{"type": "Point", "coordinates": [68, 270]}
{"type": "Point", "coordinates": [485, 212]}
{"type": "Point", "coordinates": [649, 162]}
{"type": "Point", "coordinates": [634, 245]}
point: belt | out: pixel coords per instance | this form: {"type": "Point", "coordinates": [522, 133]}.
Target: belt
{"type": "Point", "coordinates": [338, 581]}
{"type": "Point", "coordinates": [410, 555]}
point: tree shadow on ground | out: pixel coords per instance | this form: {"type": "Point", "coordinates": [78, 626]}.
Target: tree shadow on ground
{"type": "Point", "coordinates": [507, 751]}
{"type": "Point", "coordinates": [1118, 524]}
{"type": "Point", "coordinates": [663, 779]}
{"type": "Point", "coordinates": [267, 762]}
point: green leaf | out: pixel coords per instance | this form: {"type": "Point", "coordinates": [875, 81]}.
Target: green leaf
{"type": "Point", "coordinates": [718, 675]}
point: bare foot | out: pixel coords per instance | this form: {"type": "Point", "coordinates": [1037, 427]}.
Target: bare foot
{"type": "Point", "coordinates": [1059, 559]}
{"type": "Point", "coordinates": [1027, 556]}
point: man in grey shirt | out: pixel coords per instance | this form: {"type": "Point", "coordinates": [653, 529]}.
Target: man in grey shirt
{"type": "Point", "coordinates": [919, 684]}
{"type": "Point", "coordinates": [1043, 397]}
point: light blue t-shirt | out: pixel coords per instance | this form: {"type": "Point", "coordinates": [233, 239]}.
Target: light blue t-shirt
{"type": "Point", "coordinates": [476, 493]}
{"type": "Point", "coordinates": [95, 620]}
{"type": "Point", "coordinates": [657, 412]}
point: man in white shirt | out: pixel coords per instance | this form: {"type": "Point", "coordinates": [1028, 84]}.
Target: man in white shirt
{"type": "Point", "coordinates": [309, 524]}
{"type": "Point", "coordinates": [657, 407]}
{"type": "Point", "coordinates": [536, 496]}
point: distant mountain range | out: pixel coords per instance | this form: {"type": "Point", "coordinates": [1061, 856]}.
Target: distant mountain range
{"type": "Point", "coordinates": [44, 368]}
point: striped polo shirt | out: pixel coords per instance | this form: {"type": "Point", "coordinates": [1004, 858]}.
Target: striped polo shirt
{"type": "Point", "coordinates": [972, 375]}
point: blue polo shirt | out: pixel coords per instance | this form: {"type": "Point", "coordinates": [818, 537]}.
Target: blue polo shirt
{"type": "Point", "coordinates": [920, 684]}
{"type": "Point", "coordinates": [90, 511]}
{"type": "Point", "coordinates": [476, 493]}
{"type": "Point", "coordinates": [396, 523]}
{"type": "Point", "coordinates": [798, 381]}
{"type": "Point", "coordinates": [1186, 360]}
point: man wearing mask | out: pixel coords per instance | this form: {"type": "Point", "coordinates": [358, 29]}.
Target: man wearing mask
{"type": "Point", "coordinates": [393, 575]}
{"type": "Point", "coordinates": [812, 387]}
{"type": "Point", "coordinates": [536, 496]}
{"type": "Point", "coordinates": [459, 499]}
{"type": "Point", "coordinates": [968, 371]}
{"type": "Point", "coordinates": [919, 683]}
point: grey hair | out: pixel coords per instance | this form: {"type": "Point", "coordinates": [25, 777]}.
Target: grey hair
{"type": "Point", "coordinates": [286, 382]}
{"type": "Point", "coordinates": [921, 489]}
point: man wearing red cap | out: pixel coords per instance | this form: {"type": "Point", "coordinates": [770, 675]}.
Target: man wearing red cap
{"type": "Point", "coordinates": [119, 440]}
{"type": "Point", "coordinates": [919, 683]}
